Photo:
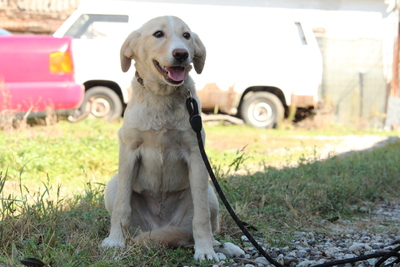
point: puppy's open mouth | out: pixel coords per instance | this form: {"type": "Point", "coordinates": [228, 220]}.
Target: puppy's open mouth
{"type": "Point", "coordinates": [172, 74]}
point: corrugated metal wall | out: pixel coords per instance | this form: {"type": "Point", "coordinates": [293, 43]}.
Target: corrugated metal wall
{"type": "Point", "coordinates": [353, 81]}
{"type": "Point", "coordinates": [35, 16]}
{"type": "Point", "coordinates": [41, 5]}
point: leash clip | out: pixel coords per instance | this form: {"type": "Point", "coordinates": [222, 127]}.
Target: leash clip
{"type": "Point", "coordinates": [195, 118]}
{"type": "Point", "coordinates": [189, 93]}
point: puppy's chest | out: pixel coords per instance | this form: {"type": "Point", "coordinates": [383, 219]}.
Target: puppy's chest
{"type": "Point", "coordinates": [163, 158]}
{"type": "Point", "coordinates": [148, 116]}
{"type": "Point", "coordinates": [165, 139]}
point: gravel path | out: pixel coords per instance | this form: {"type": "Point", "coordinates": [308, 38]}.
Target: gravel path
{"type": "Point", "coordinates": [351, 144]}
{"type": "Point", "coordinates": [378, 232]}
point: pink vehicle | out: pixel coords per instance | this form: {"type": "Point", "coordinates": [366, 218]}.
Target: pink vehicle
{"type": "Point", "coordinates": [37, 75]}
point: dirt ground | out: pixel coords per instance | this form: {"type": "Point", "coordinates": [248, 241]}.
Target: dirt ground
{"type": "Point", "coordinates": [352, 144]}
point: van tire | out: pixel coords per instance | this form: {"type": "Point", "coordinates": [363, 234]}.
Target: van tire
{"type": "Point", "coordinates": [105, 103]}
{"type": "Point", "coordinates": [262, 110]}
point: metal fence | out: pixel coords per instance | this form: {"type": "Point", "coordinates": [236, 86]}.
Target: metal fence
{"type": "Point", "coordinates": [353, 81]}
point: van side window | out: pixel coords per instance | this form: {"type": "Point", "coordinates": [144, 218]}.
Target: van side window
{"type": "Point", "coordinates": [94, 26]}
{"type": "Point", "coordinates": [301, 33]}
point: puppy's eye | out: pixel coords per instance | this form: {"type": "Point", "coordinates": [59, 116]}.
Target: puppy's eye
{"type": "Point", "coordinates": [158, 34]}
{"type": "Point", "coordinates": [186, 35]}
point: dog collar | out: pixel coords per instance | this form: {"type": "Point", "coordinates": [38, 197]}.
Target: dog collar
{"type": "Point", "coordinates": [138, 78]}
{"type": "Point", "coordinates": [140, 81]}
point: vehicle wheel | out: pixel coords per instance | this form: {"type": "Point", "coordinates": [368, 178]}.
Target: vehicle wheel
{"type": "Point", "coordinates": [104, 103]}
{"type": "Point", "coordinates": [262, 110]}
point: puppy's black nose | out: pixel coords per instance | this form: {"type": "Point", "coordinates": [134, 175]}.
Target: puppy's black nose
{"type": "Point", "coordinates": [180, 54]}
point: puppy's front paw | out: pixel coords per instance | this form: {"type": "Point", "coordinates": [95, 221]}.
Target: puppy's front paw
{"type": "Point", "coordinates": [230, 250]}
{"type": "Point", "coordinates": [113, 242]}
{"type": "Point", "coordinates": [206, 254]}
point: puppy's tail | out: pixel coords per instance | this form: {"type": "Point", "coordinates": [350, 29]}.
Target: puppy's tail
{"type": "Point", "coordinates": [170, 236]}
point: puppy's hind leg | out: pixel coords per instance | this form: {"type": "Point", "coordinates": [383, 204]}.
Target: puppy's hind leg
{"type": "Point", "coordinates": [230, 250]}
{"type": "Point", "coordinates": [169, 236]}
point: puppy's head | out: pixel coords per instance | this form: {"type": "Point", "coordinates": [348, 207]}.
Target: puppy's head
{"type": "Point", "coordinates": [163, 49]}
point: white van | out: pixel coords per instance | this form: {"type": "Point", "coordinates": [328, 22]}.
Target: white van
{"type": "Point", "coordinates": [259, 60]}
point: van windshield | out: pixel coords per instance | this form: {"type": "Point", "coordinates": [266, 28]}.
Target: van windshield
{"type": "Point", "coordinates": [94, 26]}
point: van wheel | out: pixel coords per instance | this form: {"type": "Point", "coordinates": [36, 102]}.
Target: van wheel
{"type": "Point", "coordinates": [262, 110]}
{"type": "Point", "coordinates": [104, 103]}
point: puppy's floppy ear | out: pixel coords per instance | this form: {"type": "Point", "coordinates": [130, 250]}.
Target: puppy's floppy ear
{"type": "Point", "coordinates": [127, 50]}
{"type": "Point", "coordinates": [199, 58]}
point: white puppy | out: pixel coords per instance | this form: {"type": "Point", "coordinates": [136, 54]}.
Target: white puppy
{"type": "Point", "coordinates": [161, 191]}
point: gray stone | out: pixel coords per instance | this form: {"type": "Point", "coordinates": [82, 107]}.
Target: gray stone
{"type": "Point", "coordinates": [377, 245]}
{"type": "Point", "coordinates": [262, 260]}
{"type": "Point", "coordinates": [221, 256]}
{"type": "Point", "coordinates": [289, 260]}
{"type": "Point", "coordinates": [356, 247]}
{"type": "Point", "coordinates": [305, 263]}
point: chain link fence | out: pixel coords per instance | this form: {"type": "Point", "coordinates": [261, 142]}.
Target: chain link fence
{"type": "Point", "coordinates": [353, 81]}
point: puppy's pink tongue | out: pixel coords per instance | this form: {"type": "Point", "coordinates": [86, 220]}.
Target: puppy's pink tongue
{"type": "Point", "coordinates": [176, 73]}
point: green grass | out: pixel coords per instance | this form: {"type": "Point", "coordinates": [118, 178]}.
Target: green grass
{"type": "Point", "coordinates": [69, 155]}
{"type": "Point", "coordinates": [52, 183]}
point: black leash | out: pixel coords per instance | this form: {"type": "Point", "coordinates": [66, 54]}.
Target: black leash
{"type": "Point", "coordinates": [196, 123]}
